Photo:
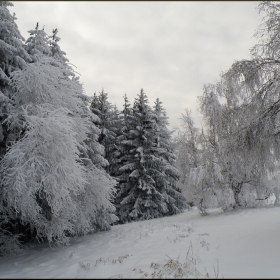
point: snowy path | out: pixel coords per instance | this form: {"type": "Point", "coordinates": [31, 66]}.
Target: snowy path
{"type": "Point", "coordinates": [244, 243]}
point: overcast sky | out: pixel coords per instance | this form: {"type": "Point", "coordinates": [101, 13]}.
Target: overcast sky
{"type": "Point", "coordinates": [170, 49]}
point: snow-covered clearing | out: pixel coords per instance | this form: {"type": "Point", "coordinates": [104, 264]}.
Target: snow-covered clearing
{"type": "Point", "coordinates": [237, 244]}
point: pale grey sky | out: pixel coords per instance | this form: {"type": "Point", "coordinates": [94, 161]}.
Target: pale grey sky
{"type": "Point", "coordinates": [170, 49]}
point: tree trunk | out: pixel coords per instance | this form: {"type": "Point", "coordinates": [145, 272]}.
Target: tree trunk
{"type": "Point", "coordinates": [236, 188]}
{"type": "Point", "coordinates": [276, 192]}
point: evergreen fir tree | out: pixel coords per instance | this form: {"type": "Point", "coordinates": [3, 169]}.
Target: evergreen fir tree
{"type": "Point", "coordinates": [114, 152]}
{"type": "Point", "coordinates": [108, 124]}
{"type": "Point", "coordinates": [12, 53]}
{"type": "Point", "coordinates": [165, 153]}
{"type": "Point", "coordinates": [146, 189]}
{"type": "Point", "coordinates": [13, 57]}
{"type": "Point", "coordinates": [57, 53]}
{"type": "Point", "coordinates": [124, 156]}
{"type": "Point", "coordinates": [37, 45]}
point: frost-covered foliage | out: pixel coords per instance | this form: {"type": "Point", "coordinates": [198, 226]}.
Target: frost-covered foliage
{"type": "Point", "coordinates": [255, 84]}
{"type": "Point", "coordinates": [250, 89]}
{"type": "Point", "coordinates": [241, 118]}
{"type": "Point", "coordinates": [12, 53]}
{"type": "Point", "coordinates": [164, 152]}
{"type": "Point", "coordinates": [223, 119]}
{"type": "Point", "coordinates": [52, 177]}
{"type": "Point", "coordinates": [13, 57]}
{"type": "Point", "coordinates": [37, 45]}
{"type": "Point", "coordinates": [124, 156]}
{"type": "Point", "coordinates": [210, 177]}
{"type": "Point", "coordinates": [187, 153]}
{"type": "Point", "coordinates": [201, 174]}
{"type": "Point", "coordinates": [9, 243]}
{"type": "Point", "coordinates": [57, 53]}
{"type": "Point", "coordinates": [41, 173]}
{"type": "Point", "coordinates": [147, 184]}
{"type": "Point", "coordinates": [109, 125]}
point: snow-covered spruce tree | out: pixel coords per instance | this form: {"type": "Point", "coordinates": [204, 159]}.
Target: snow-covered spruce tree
{"type": "Point", "coordinates": [12, 57]}
{"type": "Point", "coordinates": [109, 125]}
{"type": "Point", "coordinates": [50, 180]}
{"type": "Point", "coordinates": [57, 53]}
{"type": "Point", "coordinates": [124, 156]}
{"type": "Point", "coordinates": [12, 53]}
{"type": "Point", "coordinates": [166, 154]}
{"type": "Point", "coordinates": [114, 158]}
{"type": "Point", "coordinates": [146, 187]}
{"type": "Point", "coordinates": [97, 200]}
{"type": "Point", "coordinates": [38, 43]}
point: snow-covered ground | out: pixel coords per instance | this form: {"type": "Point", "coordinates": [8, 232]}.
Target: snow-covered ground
{"type": "Point", "coordinates": [236, 244]}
